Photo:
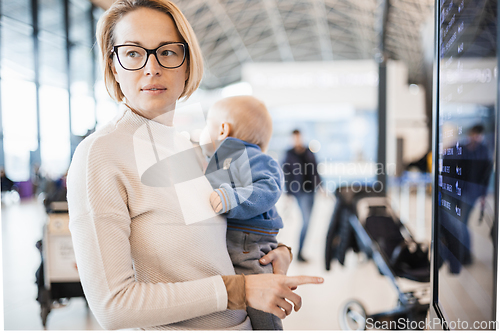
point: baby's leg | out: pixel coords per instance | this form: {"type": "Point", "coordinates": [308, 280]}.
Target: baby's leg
{"type": "Point", "coordinates": [245, 250]}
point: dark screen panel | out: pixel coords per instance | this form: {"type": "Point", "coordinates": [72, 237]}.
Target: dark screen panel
{"type": "Point", "coordinates": [465, 220]}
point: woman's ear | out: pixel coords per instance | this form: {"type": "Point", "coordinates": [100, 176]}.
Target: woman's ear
{"type": "Point", "coordinates": [224, 131]}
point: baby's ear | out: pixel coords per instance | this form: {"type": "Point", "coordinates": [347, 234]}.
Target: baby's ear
{"type": "Point", "coordinates": [225, 130]}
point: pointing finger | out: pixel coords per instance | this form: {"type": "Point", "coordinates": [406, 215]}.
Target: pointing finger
{"type": "Point", "coordinates": [294, 281]}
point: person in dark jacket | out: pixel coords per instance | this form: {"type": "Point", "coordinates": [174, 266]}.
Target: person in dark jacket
{"type": "Point", "coordinates": [7, 184]}
{"type": "Point", "coordinates": [301, 180]}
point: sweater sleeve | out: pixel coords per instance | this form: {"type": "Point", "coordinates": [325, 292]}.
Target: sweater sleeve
{"type": "Point", "coordinates": [259, 196]}
{"type": "Point", "coordinates": [100, 228]}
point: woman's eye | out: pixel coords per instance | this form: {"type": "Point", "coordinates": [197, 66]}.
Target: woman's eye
{"type": "Point", "coordinates": [167, 53]}
{"type": "Point", "coordinates": [132, 54]}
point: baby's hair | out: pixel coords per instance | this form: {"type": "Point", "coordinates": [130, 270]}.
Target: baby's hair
{"type": "Point", "coordinates": [249, 119]}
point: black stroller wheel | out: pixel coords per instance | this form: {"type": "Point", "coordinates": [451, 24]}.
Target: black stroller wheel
{"type": "Point", "coordinates": [352, 316]}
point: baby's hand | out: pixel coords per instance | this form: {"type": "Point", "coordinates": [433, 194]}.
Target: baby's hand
{"type": "Point", "coordinates": [216, 202]}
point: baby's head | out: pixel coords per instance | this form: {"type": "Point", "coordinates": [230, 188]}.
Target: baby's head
{"type": "Point", "coordinates": [242, 117]}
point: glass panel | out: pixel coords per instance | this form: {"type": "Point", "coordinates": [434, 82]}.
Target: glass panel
{"type": "Point", "coordinates": [79, 31]}
{"type": "Point", "coordinates": [466, 171]}
{"type": "Point", "coordinates": [106, 107]}
{"type": "Point", "coordinates": [54, 130]}
{"type": "Point", "coordinates": [18, 97]}
{"type": "Point", "coordinates": [52, 60]}
{"type": "Point", "coordinates": [17, 50]}
{"type": "Point", "coordinates": [19, 10]}
{"type": "Point", "coordinates": [51, 16]}
{"type": "Point", "coordinates": [82, 99]}
{"type": "Point", "coordinates": [19, 125]}
{"type": "Point", "coordinates": [54, 103]}
{"type": "Point", "coordinates": [81, 64]}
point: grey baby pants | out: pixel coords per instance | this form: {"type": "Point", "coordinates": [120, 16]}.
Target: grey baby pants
{"type": "Point", "coordinates": [245, 250]}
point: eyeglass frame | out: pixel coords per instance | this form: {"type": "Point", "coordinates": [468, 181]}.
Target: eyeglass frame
{"type": "Point", "coordinates": [149, 52]}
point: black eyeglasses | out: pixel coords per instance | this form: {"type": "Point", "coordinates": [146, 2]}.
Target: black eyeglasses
{"type": "Point", "coordinates": [134, 57]}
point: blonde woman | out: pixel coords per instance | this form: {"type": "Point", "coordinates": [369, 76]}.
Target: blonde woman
{"type": "Point", "coordinates": [141, 265]}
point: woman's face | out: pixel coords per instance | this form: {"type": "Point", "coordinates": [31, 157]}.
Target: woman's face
{"type": "Point", "coordinates": [149, 28]}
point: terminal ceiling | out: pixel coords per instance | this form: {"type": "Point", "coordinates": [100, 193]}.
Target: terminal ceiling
{"type": "Point", "coordinates": [234, 32]}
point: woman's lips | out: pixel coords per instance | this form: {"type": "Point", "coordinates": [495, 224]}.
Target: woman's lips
{"type": "Point", "coordinates": [153, 89]}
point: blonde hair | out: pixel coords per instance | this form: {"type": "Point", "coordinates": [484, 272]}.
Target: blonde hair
{"type": "Point", "coordinates": [106, 39]}
{"type": "Point", "coordinates": [248, 117]}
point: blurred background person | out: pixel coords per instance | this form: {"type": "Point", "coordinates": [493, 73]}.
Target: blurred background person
{"type": "Point", "coordinates": [7, 184]}
{"type": "Point", "coordinates": [301, 180]}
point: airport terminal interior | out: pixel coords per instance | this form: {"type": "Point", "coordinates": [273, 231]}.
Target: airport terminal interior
{"type": "Point", "coordinates": [391, 104]}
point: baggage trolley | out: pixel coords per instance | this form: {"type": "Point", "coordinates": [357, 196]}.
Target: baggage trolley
{"type": "Point", "coordinates": [57, 277]}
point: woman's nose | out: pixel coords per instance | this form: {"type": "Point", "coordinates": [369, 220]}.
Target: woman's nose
{"type": "Point", "coordinates": [152, 66]}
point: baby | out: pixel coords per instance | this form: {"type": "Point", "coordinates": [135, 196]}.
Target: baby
{"type": "Point", "coordinates": [247, 184]}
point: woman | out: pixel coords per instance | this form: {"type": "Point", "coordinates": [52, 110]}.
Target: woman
{"type": "Point", "coordinates": [140, 264]}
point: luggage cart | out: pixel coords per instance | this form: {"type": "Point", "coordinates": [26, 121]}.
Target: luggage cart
{"type": "Point", "coordinates": [364, 222]}
{"type": "Point", "coordinates": [57, 277]}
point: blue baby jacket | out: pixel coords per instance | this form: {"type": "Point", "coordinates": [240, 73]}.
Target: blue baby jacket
{"type": "Point", "coordinates": [249, 184]}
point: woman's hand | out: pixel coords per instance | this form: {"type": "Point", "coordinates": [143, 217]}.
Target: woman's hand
{"type": "Point", "coordinates": [279, 258]}
{"type": "Point", "coordinates": [273, 292]}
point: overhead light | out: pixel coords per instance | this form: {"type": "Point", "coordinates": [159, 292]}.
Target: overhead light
{"type": "Point", "coordinates": [314, 146]}
{"type": "Point", "coordinates": [237, 89]}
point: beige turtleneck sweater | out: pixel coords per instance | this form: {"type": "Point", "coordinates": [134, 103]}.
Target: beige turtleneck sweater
{"type": "Point", "coordinates": [140, 264]}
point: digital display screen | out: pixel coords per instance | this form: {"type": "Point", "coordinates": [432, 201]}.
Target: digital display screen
{"type": "Point", "coordinates": [465, 217]}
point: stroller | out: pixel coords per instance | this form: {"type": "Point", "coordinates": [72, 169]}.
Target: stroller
{"type": "Point", "coordinates": [57, 277]}
{"type": "Point", "coordinates": [364, 222]}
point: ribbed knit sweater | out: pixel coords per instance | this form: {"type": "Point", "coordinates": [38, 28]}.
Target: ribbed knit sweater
{"type": "Point", "coordinates": [140, 264]}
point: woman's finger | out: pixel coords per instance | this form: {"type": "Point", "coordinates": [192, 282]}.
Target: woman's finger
{"type": "Point", "coordinates": [272, 293]}
{"type": "Point", "coordinates": [274, 309]}
{"type": "Point", "coordinates": [266, 259]}
{"type": "Point", "coordinates": [294, 281]}
{"type": "Point", "coordinates": [285, 306]}
{"type": "Point", "coordinates": [294, 298]}
{"type": "Point", "coordinates": [279, 313]}
{"type": "Point", "coordinates": [279, 260]}
{"type": "Point", "coordinates": [270, 257]}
